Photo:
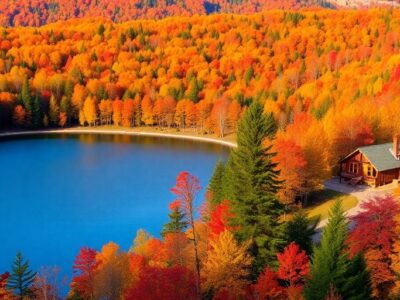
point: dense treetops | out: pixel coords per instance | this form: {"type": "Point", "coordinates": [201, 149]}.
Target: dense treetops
{"type": "Point", "coordinates": [40, 12]}
{"type": "Point", "coordinates": [329, 78]}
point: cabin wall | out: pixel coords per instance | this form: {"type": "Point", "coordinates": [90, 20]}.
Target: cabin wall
{"type": "Point", "coordinates": [363, 165]}
{"type": "Point", "coordinates": [387, 177]}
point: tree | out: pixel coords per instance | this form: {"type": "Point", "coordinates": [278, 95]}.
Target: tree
{"type": "Point", "coordinates": [112, 276]}
{"type": "Point", "coordinates": [84, 270]}
{"type": "Point", "coordinates": [291, 170]}
{"type": "Point", "coordinates": [177, 218]}
{"type": "Point", "coordinates": [267, 286]}
{"type": "Point", "coordinates": [117, 112]}
{"type": "Point", "coordinates": [54, 111]}
{"type": "Point", "coordinates": [21, 278]}
{"type": "Point", "coordinates": [128, 113]}
{"type": "Point", "coordinates": [293, 265]}
{"type": "Point", "coordinates": [374, 235]}
{"type": "Point", "coordinates": [219, 116]}
{"type": "Point", "coordinates": [300, 230]}
{"type": "Point", "coordinates": [3, 283]}
{"type": "Point", "coordinates": [47, 283]}
{"type": "Point", "coordinates": [176, 282]}
{"type": "Point", "coordinates": [220, 218]}
{"type": "Point", "coordinates": [37, 112]}
{"type": "Point", "coordinates": [331, 265]}
{"type": "Point", "coordinates": [26, 95]}
{"type": "Point", "coordinates": [186, 188]}
{"type": "Point", "coordinates": [90, 111]}
{"type": "Point", "coordinates": [227, 264]}
{"type": "Point", "coordinates": [19, 116]}
{"type": "Point", "coordinates": [66, 108]}
{"type": "Point", "coordinates": [215, 186]}
{"type": "Point", "coordinates": [254, 184]}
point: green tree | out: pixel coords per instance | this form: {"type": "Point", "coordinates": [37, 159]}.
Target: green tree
{"type": "Point", "coordinates": [66, 107]}
{"type": "Point", "coordinates": [53, 111]}
{"type": "Point", "coordinates": [331, 266]}
{"type": "Point", "coordinates": [177, 219]}
{"type": "Point", "coordinates": [215, 185]}
{"type": "Point", "coordinates": [21, 278]}
{"type": "Point", "coordinates": [254, 182]}
{"type": "Point", "coordinates": [36, 112]}
{"type": "Point", "coordinates": [301, 229]}
{"type": "Point", "coordinates": [26, 95]}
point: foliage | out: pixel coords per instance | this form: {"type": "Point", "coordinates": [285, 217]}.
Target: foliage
{"type": "Point", "coordinates": [84, 269]}
{"type": "Point", "coordinates": [21, 278]}
{"type": "Point", "coordinates": [255, 206]}
{"type": "Point", "coordinates": [300, 230]}
{"type": "Point", "coordinates": [171, 283]}
{"type": "Point", "coordinates": [330, 264]}
{"type": "Point", "coordinates": [227, 265]}
{"type": "Point", "coordinates": [177, 221]}
{"type": "Point", "coordinates": [374, 235]}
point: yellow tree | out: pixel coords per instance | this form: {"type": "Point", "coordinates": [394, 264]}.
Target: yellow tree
{"type": "Point", "coordinates": [227, 264]}
{"type": "Point", "coordinates": [90, 111]}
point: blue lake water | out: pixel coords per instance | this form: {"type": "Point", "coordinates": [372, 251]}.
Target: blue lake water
{"type": "Point", "coordinates": [59, 193]}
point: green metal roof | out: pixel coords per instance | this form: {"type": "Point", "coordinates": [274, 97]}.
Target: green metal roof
{"type": "Point", "coordinates": [380, 156]}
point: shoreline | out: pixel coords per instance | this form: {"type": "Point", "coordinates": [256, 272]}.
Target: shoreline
{"type": "Point", "coordinates": [88, 130]}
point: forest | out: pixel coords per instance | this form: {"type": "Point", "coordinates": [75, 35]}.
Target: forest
{"type": "Point", "coordinates": [297, 89]}
{"type": "Point", "coordinates": [236, 245]}
{"type": "Point", "coordinates": [40, 12]}
{"type": "Point", "coordinates": [329, 78]}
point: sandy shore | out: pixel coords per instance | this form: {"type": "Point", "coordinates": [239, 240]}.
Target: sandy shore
{"type": "Point", "coordinates": [89, 130]}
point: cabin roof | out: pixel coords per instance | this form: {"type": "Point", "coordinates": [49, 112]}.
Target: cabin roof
{"type": "Point", "coordinates": [380, 156]}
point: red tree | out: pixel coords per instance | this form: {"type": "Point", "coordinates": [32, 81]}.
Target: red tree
{"type": "Point", "coordinates": [293, 265]}
{"type": "Point", "coordinates": [3, 281]}
{"type": "Point", "coordinates": [186, 188]}
{"type": "Point", "coordinates": [156, 283]}
{"type": "Point", "coordinates": [84, 270]}
{"type": "Point", "coordinates": [374, 234]}
{"type": "Point", "coordinates": [219, 218]}
{"type": "Point", "coordinates": [267, 286]}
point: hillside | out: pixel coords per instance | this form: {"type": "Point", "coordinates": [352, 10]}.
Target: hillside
{"type": "Point", "coordinates": [40, 12]}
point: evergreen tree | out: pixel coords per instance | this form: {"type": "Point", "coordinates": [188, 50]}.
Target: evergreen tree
{"type": "Point", "coordinates": [66, 107]}
{"type": "Point", "coordinates": [177, 221]}
{"type": "Point", "coordinates": [26, 95]}
{"type": "Point", "coordinates": [215, 185]}
{"type": "Point", "coordinates": [331, 265]}
{"type": "Point", "coordinates": [21, 278]}
{"type": "Point", "coordinates": [254, 183]}
{"type": "Point", "coordinates": [53, 111]}
{"type": "Point", "coordinates": [36, 112]}
{"type": "Point", "coordinates": [300, 229]}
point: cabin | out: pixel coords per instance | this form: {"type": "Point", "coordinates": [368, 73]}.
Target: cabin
{"type": "Point", "coordinates": [374, 165]}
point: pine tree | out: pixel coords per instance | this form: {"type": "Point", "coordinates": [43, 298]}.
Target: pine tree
{"type": "Point", "coordinates": [331, 265]}
{"type": "Point", "coordinates": [215, 185]}
{"type": "Point", "coordinates": [66, 107]}
{"type": "Point", "coordinates": [53, 111]}
{"type": "Point", "coordinates": [254, 183]}
{"type": "Point", "coordinates": [177, 221]}
{"type": "Point", "coordinates": [21, 278]}
{"type": "Point", "coordinates": [36, 112]}
{"type": "Point", "coordinates": [26, 95]}
{"type": "Point", "coordinates": [301, 229]}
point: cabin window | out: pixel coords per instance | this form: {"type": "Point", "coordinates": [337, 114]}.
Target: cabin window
{"type": "Point", "coordinates": [353, 168]}
{"type": "Point", "coordinates": [371, 172]}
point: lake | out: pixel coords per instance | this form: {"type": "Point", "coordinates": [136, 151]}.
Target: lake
{"type": "Point", "coordinates": [61, 192]}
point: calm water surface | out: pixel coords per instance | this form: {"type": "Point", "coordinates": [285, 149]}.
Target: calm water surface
{"type": "Point", "coordinates": [59, 193]}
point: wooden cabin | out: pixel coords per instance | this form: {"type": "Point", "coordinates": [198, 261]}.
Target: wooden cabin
{"type": "Point", "coordinates": [374, 165]}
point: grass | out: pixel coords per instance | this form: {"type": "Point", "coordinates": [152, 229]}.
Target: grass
{"type": "Point", "coordinates": [320, 202]}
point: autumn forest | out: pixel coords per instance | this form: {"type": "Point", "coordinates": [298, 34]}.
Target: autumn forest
{"type": "Point", "coordinates": [296, 89]}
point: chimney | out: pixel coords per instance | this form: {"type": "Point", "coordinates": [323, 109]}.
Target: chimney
{"type": "Point", "coordinates": [396, 145]}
